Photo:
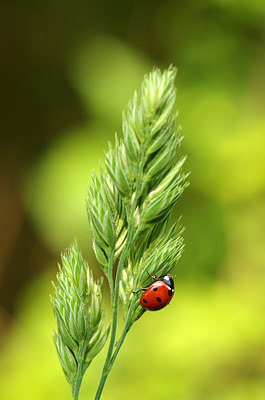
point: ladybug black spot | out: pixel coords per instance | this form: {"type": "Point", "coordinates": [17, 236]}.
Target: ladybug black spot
{"type": "Point", "coordinates": [170, 292]}
{"type": "Point", "coordinates": [155, 289]}
{"type": "Point", "coordinates": [158, 299]}
{"type": "Point", "coordinates": [145, 301]}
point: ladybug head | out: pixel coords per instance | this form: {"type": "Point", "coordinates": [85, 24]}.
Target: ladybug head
{"type": "Point", "coordinates": [168, 280]}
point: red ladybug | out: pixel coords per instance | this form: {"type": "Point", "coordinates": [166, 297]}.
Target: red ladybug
{"type": "Point", "coordinates": [159, 294]}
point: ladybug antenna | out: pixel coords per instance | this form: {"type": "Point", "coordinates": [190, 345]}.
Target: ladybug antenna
{"type": "Point", "coordinates": [153, 277]}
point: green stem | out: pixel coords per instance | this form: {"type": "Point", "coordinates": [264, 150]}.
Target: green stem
{"type": "Point", "coordinates": [110, 276]}
{"type": "Point", "coordinates": [130, 239]}
{"type": "Point", "coordinates": [77, 384]}
{"type": "Point", "coordinates": [126, 328]}
{"type": "Point", "coordinates": [113, 331]}
{"type": "Point", "coordinates": [81, 368]}
{"type": "Point", "coordinates": [106, 367]}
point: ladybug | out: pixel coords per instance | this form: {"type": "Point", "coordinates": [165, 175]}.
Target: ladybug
{"type": "Point", "coordinates": [159, 294]}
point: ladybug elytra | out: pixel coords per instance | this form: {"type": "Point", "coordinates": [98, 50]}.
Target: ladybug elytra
{"type": "Point", "coordinates": [159, 294]}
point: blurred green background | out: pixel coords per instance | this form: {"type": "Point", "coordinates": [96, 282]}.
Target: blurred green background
{"type": "Point", "coordinates": [67, 69]}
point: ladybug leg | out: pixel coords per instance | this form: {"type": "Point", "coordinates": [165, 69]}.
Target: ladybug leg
{"type": "Point", "coordinates": [153, 277]}
{"type": "Point", "coordinates": [137, 291]}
